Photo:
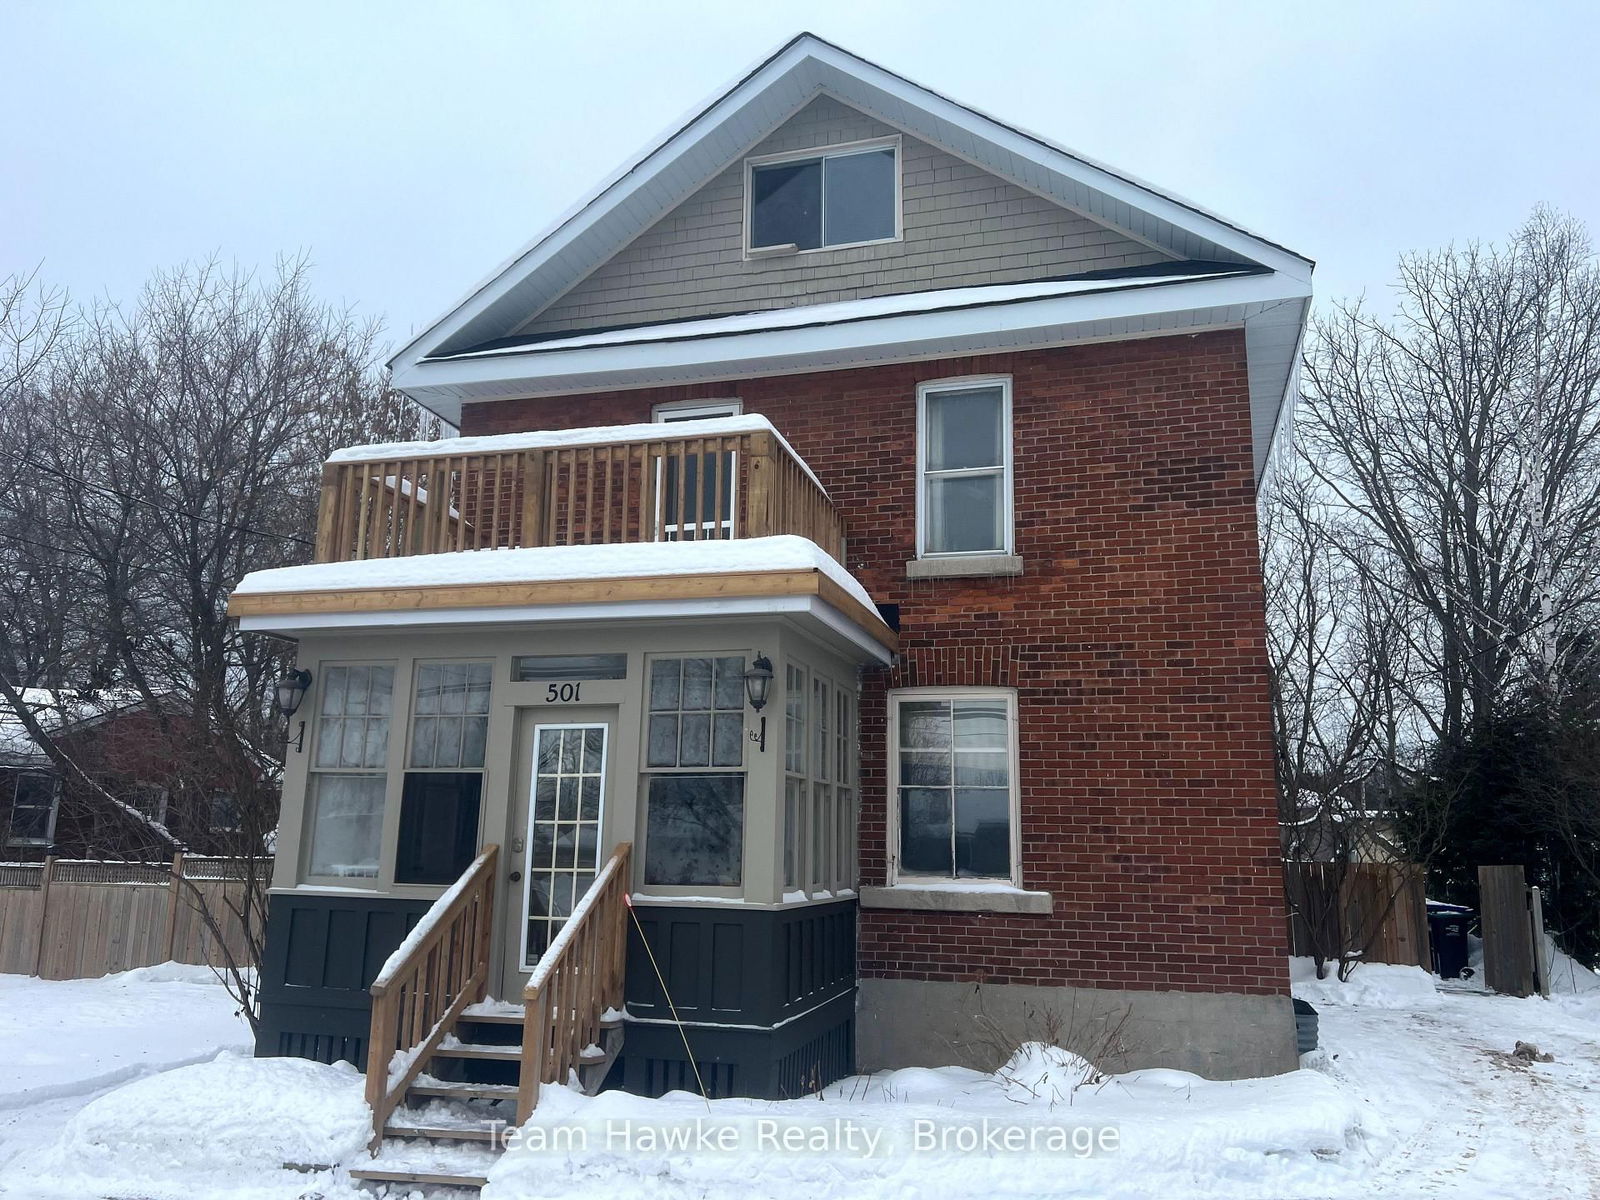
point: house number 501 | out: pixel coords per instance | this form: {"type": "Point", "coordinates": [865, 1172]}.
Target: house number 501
{"type": "Point", "coordinates": [561, 693]}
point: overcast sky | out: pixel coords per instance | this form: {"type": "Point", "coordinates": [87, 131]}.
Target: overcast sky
{"type": "Point", "coordinates": [411, 147]}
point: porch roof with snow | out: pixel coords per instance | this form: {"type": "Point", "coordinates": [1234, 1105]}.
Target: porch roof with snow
{"type": "Point", "coordinates": [768, 576]}
{"type": "Point", "coordinates": [1225, 276]}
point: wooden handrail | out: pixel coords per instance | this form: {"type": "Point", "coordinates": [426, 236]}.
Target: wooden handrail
{"type": "Point", "coordinates": [441, 967]}
{"type": "Point", "coordinates": [577, 980]}
{"type": "Point", "coordinates": [571, 494]}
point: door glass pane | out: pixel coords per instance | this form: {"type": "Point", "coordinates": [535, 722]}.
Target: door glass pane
{"type": "Point", "coordinates": [858, 197]}
{"type": "Point", "coordinates": [563, 828]}
{"type": "Point", "coordinates": [786, 204]}
{"type": "Point", "coordinates": [964, 514]}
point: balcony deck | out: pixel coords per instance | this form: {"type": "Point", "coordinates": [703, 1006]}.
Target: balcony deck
{"type": "Point", "coordinates": [726, 478]}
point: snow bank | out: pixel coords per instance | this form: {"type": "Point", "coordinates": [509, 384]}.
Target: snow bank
{"type": "Point", "coordinates": [946, 1133]}
{"type": "Point", "coordinates": [203, 1130]}
{"type": "Point", "coordinates": [1371, 985]}
{"type": "Point", "coordinates": [73, 1037]}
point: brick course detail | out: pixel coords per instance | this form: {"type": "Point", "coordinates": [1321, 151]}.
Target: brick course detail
{"type": "Point", "coordinates": [1135, 640]}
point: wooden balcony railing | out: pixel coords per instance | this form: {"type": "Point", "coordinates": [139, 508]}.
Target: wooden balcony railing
{"type": "Point", "coordinates": [680, 485]}
{"type": "Point", "coordinates": [440, 968]}
{"type": "Point", "coordinates": [575, 982]}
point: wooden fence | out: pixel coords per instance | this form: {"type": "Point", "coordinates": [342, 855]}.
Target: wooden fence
{"type": "Point", "coordinates": [1511, 918]}
{"type": "Point", "coordinates": [1377, 910]}
{"type": "Point", "coordinates": [69, 919]}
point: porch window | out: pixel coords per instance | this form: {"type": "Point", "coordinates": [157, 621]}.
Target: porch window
{"type": "Point", "coordinates": [811, 200]}
{"type": "Point", "coordinates": [444, 777]}
{"type": "Point", "coordinates": [348, 778]}
{"type": "Point", "coordinates": [794, 781]}
{"type": "Point", "coordinates": [953, 756]}
{"type": "Point", "coordinates": [964, 468]}
{"type": "Point", "coordinates": [694, 753]}
{"type": "Point", "coordinates": [33, 808]}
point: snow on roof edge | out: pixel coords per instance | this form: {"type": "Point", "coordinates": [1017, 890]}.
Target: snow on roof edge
{"type": "Point", "coordinates": [591, 435]}
{"type": "Point", "coordinates": [555, 564]}
{"type": "Point", "coordinates": [837, 312]}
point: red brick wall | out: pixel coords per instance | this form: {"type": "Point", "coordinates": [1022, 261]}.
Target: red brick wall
{"type": "Point", "coordinates": [1134, 638]}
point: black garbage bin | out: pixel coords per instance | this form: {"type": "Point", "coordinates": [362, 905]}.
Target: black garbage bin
{"type": "Point", "coordinates": [1447, 930]}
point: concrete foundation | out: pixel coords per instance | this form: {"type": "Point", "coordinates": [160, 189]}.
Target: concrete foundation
{"type": "Point", "coordinates": [919, 1023]}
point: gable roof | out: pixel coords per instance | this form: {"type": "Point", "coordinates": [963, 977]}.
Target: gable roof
{"type": "Point", "coordinates": [725, 129]}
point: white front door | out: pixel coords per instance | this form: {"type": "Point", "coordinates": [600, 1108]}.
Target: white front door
{"type": "Point", "coordinates": [558, 821]}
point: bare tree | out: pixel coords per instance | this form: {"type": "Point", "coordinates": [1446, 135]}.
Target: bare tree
{"type": "Point", "coordinates": [1462, 443]}
{"type": "Point", "coordinates": [167, 450]}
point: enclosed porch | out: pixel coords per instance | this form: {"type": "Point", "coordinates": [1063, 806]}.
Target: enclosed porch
{"type": "Point", "coordinates": [566, 808]}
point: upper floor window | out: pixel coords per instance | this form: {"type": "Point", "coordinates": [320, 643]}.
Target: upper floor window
{"type": "Point", "coordinates": [964, 467]}
{"type": "Point", "coordinates": [842, 196]}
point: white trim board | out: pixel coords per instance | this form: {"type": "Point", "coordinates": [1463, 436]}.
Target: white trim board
{"type": "Point", "coordinates": [831, 620]}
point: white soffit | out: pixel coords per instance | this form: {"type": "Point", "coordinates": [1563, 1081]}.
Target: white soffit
{"type": "Point", "coordinates": [1270, 308]}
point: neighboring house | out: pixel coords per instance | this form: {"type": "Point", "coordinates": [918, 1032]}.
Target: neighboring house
{"type": "Point", "coordinates": [957, 431]}
{"type": "Point", "coordinates": [119, 742]}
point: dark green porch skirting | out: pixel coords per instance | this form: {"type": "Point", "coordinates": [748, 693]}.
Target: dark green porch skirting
{"type": "Point", "coordinates": [766, 997]}
{"type": "Point", "coordinates": [322, 953]}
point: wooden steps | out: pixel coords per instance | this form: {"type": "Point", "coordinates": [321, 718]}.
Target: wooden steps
{"type": "Point", "coordinates": [439, 1133]}
{"type": "Point", "coordinates": [480, 1051]}
{"type": "Point", "coordinates": [433, 1179]}
{"type": "Point", "coordinates": [442, 1137]}
{"type": "Point", "coordinates": [464, 1091]}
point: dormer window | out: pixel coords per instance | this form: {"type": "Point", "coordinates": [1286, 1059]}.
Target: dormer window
{"type": "Point", "coordinates": [818, 199]}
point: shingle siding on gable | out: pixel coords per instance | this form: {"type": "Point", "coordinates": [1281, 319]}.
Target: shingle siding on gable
{"type": "Point", "coordinates": [962, 226]}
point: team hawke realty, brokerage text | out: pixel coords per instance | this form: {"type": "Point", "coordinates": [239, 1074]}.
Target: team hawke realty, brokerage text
{"type": "Point", "coordinates": [838, 1135]}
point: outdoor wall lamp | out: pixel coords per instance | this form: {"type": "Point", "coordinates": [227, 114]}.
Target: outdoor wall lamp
{"type": "Point", "coordinates": [757, 686]}
{"type": "Point", "coordinates": [291, 691]}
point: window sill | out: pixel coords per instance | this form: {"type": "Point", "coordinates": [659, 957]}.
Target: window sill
{"type": "Point", "coordinates": [960, 567]}
{"type": "Point", "coordinates": [933, 897]}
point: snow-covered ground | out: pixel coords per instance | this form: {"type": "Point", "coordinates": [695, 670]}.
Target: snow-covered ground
{"type": "Point", "coordinates": [1415, 1092]}
{"type": "Point", "coordinates": [64, 1043]}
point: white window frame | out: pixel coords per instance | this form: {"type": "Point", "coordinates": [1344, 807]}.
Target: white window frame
{"type": "Point", "coordinates": [934, 387]}
{"type": "Point", "coordinates": [392, 773]}
{"type": "Point", "coordinates": [55, 810]}
{"type": "Point", "coordinates": [895, 698]}
{"type": "Point", "coordinates": [841, 150]}
{"type": "Point", "coordinates": [698, 410]}
{"type": "Point", "coordinates": [526, 884]}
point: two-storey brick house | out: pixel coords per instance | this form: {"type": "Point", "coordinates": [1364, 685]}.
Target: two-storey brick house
{"type": "Point", "coordinates": [953, 432]}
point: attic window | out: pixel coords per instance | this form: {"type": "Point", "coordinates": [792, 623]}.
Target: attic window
{"type": "Point", "coordinates": [813, 200]}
